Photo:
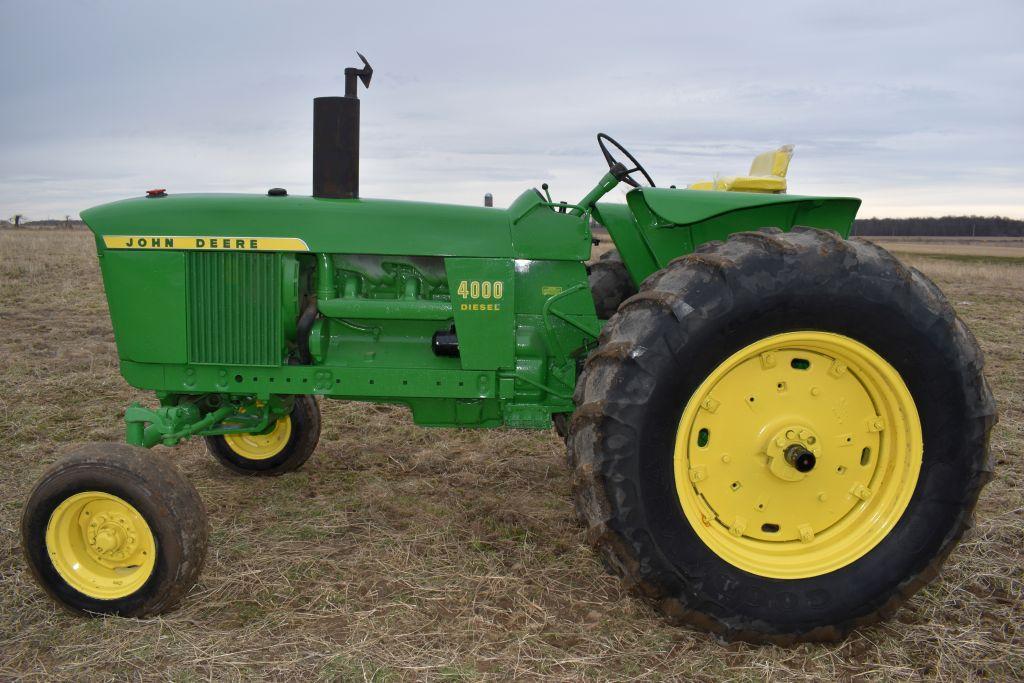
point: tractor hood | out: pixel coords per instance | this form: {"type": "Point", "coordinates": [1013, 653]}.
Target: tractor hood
{"type": "Point", "coordinates": [669, 206]}
{"type": "Point", "coordinates": [360, 226]}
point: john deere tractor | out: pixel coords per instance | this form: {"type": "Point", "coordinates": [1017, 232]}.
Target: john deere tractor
{"type": "Point", "coordinates": [775, 433]}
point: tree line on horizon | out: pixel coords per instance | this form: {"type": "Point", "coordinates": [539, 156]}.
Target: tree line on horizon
{"type": "Point", "coordinates": [947, 226]}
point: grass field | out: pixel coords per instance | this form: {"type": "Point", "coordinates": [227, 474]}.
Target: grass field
{"type": "Point", "coordinates": [404, 553]}
{"type": "Point", "coordinates": [956, 250]}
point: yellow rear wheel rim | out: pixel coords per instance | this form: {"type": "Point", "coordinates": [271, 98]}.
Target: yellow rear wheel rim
{"type": "Point", "coordinates": [799, 398]}
{"type": "Point", "coordinates": [261, 446]}
{"type": "Point", "coordinates": [100, 545]}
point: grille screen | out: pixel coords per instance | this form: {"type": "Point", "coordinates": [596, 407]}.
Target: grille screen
{"type": "Point", "coordinates": [234, 311]}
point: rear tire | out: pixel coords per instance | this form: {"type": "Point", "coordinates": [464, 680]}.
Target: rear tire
{"type": "Point", "coordinates": [610, 284]}
{"type": "Point", "coordinates": [285, 449]}
{"type": "Point", "coordinates": [635, 462]}
{"type": "Point", "coordinates": [114, 529]}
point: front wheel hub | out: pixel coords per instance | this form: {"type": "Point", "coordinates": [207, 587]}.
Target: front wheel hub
{"type": "Point", "coordinates": [101, 545]}
{"type": "Point", "coordinates": [261, 446]}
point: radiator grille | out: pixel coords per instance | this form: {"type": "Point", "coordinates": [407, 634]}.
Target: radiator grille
{"type": "Point", "coordinates": [234, 312]}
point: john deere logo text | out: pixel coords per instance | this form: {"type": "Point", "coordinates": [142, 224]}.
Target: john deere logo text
{"type": "Point", "coordinates": [205, 243]}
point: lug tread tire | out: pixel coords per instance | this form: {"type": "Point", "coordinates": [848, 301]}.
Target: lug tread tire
{"type": "Point", "coordinates": [171, 505]}
{"type": "Point", "coordinates": [655, 334]}
{"type": "Point", "coordinates": [610, 284]}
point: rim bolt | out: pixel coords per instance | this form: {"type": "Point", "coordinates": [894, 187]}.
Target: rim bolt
{"type": "Point", "coordinates": [861, 491]}
{"type": "Point", "coordinates": [822, 497]}
{"type": "Point", "coordinates": [815, 391]}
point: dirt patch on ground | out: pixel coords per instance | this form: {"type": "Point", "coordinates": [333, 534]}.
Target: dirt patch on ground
{"type": "Point", "coordinates": [405, 553]}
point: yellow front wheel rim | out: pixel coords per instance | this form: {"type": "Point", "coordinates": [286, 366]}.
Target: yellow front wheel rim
{"type": "Point", "coordinates": [100, 545]}
{"type": "Point", "coordinates": [798, 454]}
{"type": "Point", "coordinates": [261, 446]}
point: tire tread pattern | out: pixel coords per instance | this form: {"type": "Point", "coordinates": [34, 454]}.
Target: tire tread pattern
{"type": "Point", "coordinates": [177, 505]}
{"type": "Point", "coordinates": [617, 381]}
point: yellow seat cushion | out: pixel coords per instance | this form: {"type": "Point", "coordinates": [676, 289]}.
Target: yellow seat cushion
{"type": "Point", "coordinates": [767, 174]}
{"type": "Point", "coordinates": [752, 183]}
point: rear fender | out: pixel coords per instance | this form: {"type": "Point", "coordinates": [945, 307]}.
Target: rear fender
{"type": "Point", "coordinates": [658, 225]}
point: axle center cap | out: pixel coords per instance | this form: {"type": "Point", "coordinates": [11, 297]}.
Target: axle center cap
{"type": "Point", "coordinates": [793, 452]}
{"type": "Point", "coordinates": [107, 540]}
{"type": "Point", "coordinates": [112, 538]}
{"type": "Point", "coordinates": [800, 458]}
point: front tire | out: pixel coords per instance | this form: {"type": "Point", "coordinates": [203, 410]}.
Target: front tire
{"type": "Point", "coordinates": [285, 448]}
{"type": "Point", "coordinates": [781, 437]}
{"type": "Point", "coordinates": [113, 529]}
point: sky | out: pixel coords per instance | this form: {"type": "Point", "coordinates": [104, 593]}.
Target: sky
{"type": "Point", "coordinates": [915, 106]}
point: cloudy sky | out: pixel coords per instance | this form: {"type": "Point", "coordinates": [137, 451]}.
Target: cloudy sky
{"type": "Point", "coordinates": [915, 106]}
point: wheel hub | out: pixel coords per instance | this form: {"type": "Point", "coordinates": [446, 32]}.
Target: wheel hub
{"type": "Point", "coordinates": [112, 538]}
{"type": "Point", "coordinates": [797, 454]}
{"type": "Point", "coordinates": [800, 458]}
{"type": "Point", "coordinates": [100, 545]}
{"type": "Point", "coordinates": [261, 446]}
{"type": "Point", "coordinates": [783, 446]}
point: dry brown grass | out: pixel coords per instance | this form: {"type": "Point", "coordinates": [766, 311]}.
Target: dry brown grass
{"type": "Point", "coordinates": [980, 249]}
{"type": "Point", "coordinates": [945, 239]}
{"type": "Point", "coordinates": [404, 553]}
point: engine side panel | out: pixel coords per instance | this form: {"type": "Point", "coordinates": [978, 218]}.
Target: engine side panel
{"type": "Point", "coordinates": [146, 294]}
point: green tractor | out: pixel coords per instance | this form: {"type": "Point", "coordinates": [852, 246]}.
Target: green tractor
{"type": "Point", "coordinates": [775, 433]}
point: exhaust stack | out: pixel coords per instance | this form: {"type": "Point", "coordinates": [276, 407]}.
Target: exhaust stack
{"type": "Point", "coordinates": [336, 138]}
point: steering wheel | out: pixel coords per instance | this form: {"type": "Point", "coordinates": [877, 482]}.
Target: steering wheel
{"type": "Point", "coordinates": [621, 172]}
